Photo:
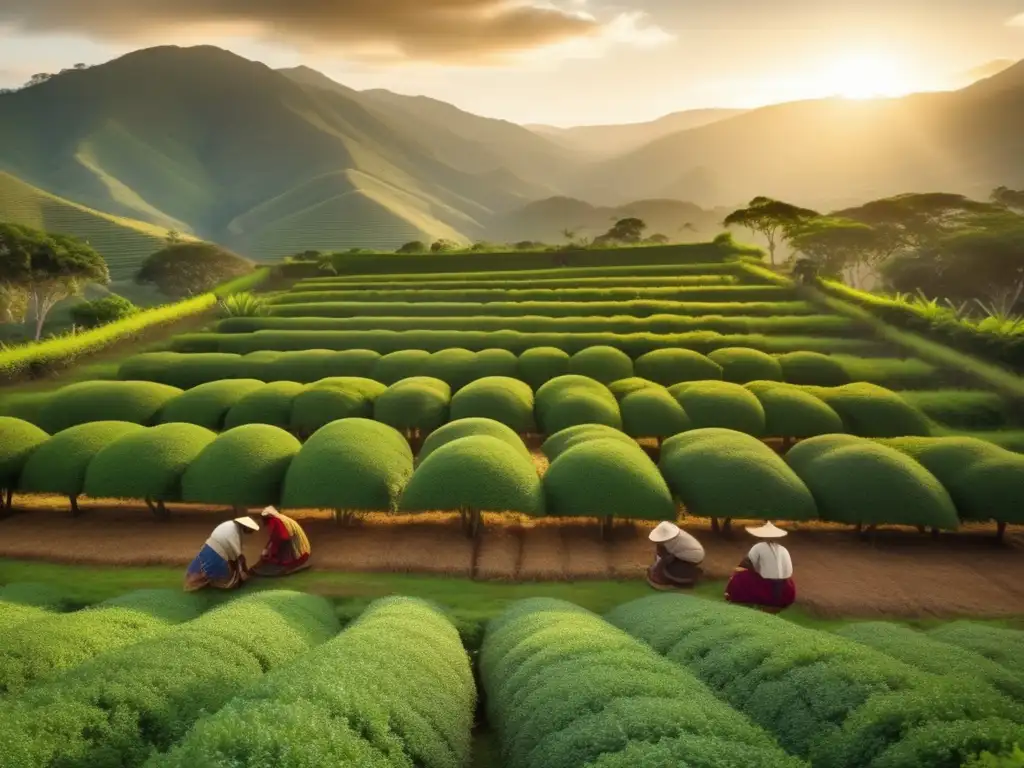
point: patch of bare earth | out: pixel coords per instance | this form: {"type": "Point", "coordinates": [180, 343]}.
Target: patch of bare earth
{"type": "Point", "coordinates": [900, 573]}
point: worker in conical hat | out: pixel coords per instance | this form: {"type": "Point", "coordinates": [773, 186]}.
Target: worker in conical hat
{"type": "Point", "coordinates": [678, 556]}
{"type": "Point", "coordinates": [764, 579]}
{"type": "Point", "coordinates": [221, 563]}
{"type": "Point", "coordinates": [287, 549]}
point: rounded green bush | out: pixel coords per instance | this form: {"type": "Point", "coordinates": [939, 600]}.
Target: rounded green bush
{"type": "Point", "coordinates": [368, 388]}
{"type": "Point", "coordinates": [495, 362]}
{"type": "Point", "coordinates": [812, 368]}
{"type": "Point", "coordinates": [539, 365]}
{"type": "Point", "coordinates": [480, 473]}
{"type": "Point", "coordinates": [206, 405]}
{"type": "Point", "coordinates": [351, 465]}
{"type": "Point", "coordinates": [182, 370]}
{"type": "Point", "coordinates": [413, 404]}
{"type": "Point", "coordinates": [270, 404]}
{"type": "Point", "coordinates": [18, 439]}
{"type": "Point", "coordinates": [427, 381]}
{"type": "Point", "coordinates": [155, 460]}
{"type": "Point", "coordinates": [653, 413]}
{"type": "Point", "coordinates": [243, 467]}
{"type": "Point", "coordinates": [567, 438]}
{"type": "Point", "coordinates": [503, 399]}
{"type": "Point", "coordinates": [874, 484]}
{"type": "Point", "coordinates": [624, 387]}
{"type": "Point", "coordinates": [307, 366]}
{"type": "Point", "coordinates": [331, 399]}
{"type": "Point", "coordinates": [467, 427]}
{"type": "Point", "coordinates": [742, 364]}
{"type": "Point", "coordinates": [716, 474]}
{"type": "Point", "coordinates": [868, 410]}
{"type": "Point", "coordinates": [569, 400]}
{"type": "Point", "coordinates": [59, 465]}
{"type": "Point", "coordinates": [607, 478]}
{"type": "Point", "coordinates": [721, 404]}
{"type": "Point", "coordinates": [672, 366]}
{"type": "Point", "coordinates": [603, 364]}
{"type": "Point", "coordinates": [792, 412]}
{"type": "Point", "coordinates": [138, 402]}
{"type": "Point", "coordinates": [455, 366]}
{"type": "Point", "coordinates": [257, 365]}
{"type": "Point", "coordinates": [801, 455]}
{"type": "Point", "coordinates": [404, 364]}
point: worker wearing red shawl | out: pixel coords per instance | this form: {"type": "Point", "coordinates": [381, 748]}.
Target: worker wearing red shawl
{"type": "Point", "coordinates": [764, 579]}
{"type": "Point", "coordinates": [287, 547]}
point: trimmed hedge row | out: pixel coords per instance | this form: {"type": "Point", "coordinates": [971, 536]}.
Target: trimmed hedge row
{"type": "Point", "coordinates": [126, 705]}
{"type": "Point", "coordinates": [1001, 645]}
{"type": "Point", "coordinates": [394, 689]}
{"type": "Point", "coordinates": [26, 601]}
{"type": "Point", "coordinates": [473, 283]}
{"type": "Point", "coordinates": [565, 689]}
{"type": "Point", "coordinates": [833, 701]}
{"type": "Point", "coordinates": [44, 648]}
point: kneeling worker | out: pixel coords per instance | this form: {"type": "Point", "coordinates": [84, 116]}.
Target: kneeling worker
{"type": "Point", "coordinates": [287, 549]}
{"type": "Point", "coordinates": [678, 556]}
{"type": "Point", "coordinates": [220, 563]}
{"type": "Point", "coordinates": [764, 579]}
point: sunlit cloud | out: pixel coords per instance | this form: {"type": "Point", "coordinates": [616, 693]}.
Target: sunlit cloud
{"type": "Point", "coordinates": [1016, 21]}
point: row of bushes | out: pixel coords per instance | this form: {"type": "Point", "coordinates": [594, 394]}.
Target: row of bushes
{"type": "Point", "coordinates": [665, 293]}
{"type": "Point", "coordinates": [22, 602]}
{"type": "Point", "coordinates": [535, 366]}
{"type": "Point", "coordinates": [820, 325]}
{"type": "Point", "coordinates": [394, 689]}
{"type": "Point", "coordinates": [528, 283]}
{"type": "Point", "coordinates": [39, 358]}
{"type": "Point", "coordinates": [482, 465]}
{"type": "Point", "coordinates": [830, 700]}
{"type": "Point", "coordinates": [517, 342]}
{"type": "Point", "coordinates": [126, 705]}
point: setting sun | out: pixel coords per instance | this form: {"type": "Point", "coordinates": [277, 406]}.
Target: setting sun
{"type": "Point", "coordinates": [867, 76]}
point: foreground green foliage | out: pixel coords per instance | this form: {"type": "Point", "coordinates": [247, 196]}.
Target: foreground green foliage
{"type": "Point", "coordinates": [26, 601]}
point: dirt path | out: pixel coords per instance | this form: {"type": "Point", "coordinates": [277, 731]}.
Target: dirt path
{"type": "Point", "coordinates": [902, 574]}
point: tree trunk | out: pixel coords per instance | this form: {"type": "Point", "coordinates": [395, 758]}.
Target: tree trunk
{"type": "Point", "coordinates": [727, 526]}
{"type": "Point", "coordinates": [607, 525]}
{"type": "Point", "coordinates": [161, 511]}
{"type": "Point", "coordinates": [935, 533]}
{"type": "Point", "coordinates": [1000, 527]}
{"type": "Point", "coordinates": [471, 522]}
{"type": "Point", "coordinates": [921, 529]}
{"type": "Point", "coordinates": [75, 511]}
{"type": "Point", "coordinates": [40, 316]}
{"type": "Point", "coordinates": [714, 525]}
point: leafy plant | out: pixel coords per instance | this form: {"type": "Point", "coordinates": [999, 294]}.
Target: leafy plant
{"type": "Point", "coordinates": [244, 304]}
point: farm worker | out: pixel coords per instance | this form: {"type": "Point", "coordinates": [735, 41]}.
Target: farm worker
{"type": "Point", "coordinates": [765, 576]}
{"type": "Point", "coordinates": [678, 556]}
{"type": "Point", "coordinates": [287, 547]}
{"type": "Point", "coordinates": [220, 563]}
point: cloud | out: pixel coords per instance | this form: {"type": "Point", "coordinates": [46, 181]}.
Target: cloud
{"type": "Point", "coordinates": [1016, 21]}
{"type": "Point", "coordinates": [445, 31]}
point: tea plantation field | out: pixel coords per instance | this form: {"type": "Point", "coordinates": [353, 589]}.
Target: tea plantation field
{"type": "Point", "coordinates": [712, 385]}
{"type": "Point", "coordinates": [157, 678]}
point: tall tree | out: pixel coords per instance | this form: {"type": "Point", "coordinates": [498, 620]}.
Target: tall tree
{"type": "Point", "coordinates": [838, 247]}
{"type": "Point", "coordinates": [629, 230]}
{"type": "Point", "coordinates": [186, 269]}
{"type": "Point", "coordinates": [772, 219]}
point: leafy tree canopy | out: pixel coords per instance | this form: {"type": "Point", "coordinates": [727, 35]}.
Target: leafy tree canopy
{"type": "Point", "coordinates": [628, 230]}
{"type": "Point", "coordinates": [187, 269]}
{"type": "Point", "coordinates": [839, 247]}
{"type": "Point", "coordinates": [92, 314]}
{"type": "Point", "coordinates": [772, 219]}
{"type": "Point", "coordinates": [443, 246]}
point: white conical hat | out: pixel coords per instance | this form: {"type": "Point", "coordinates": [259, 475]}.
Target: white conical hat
{"type": "Point", "coordinates": [767, 531]}
{"type": "Point", "coordinates": [268, 511]}
{"type": "Point", "coordinates": [664, 532]}
{"type": "Point", "coordinates": [247, 522]}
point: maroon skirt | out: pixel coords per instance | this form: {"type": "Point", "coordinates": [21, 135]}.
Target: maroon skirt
{"type": "Point", "coordinates": [750, 588]}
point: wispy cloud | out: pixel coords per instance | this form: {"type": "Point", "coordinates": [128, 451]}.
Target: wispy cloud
{"type": "Point", "coordinates": [1016, 21]}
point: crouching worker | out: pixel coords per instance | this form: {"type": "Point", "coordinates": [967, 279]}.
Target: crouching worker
{"type": "Point", "coordinates": [765, 577]}
{"type": "Point", "coordinates": [220, 563]}
{"type": "Point", "coordinates": [287, 549]}
{"type": "Point", "coordinates": [678, 556]}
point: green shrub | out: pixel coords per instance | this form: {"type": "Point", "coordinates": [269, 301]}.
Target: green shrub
{"type": "Point", "coordinates": [721, 404]}
{"type": "Point", "coordinates": [495, 362]}
{"type": "Point", "coordinates": [456, 367]}
{"type": "Point", "coordinates": [563, 440]}
{"type": "Point", "coordinates": [812, 368]}
{"type": "Point", "coordinates": [999, 644]}
{"type": "Point", "coordinates": [564, 689]}
{"type": "Point", "coordinates": [348, 703]}
{"type": "Point", "coordinates": [1005, 760]}
{"type": "Point", "coordinates": [624, 387]}
{"type": "Point", "coordinates": [567, 401]}
{"type": "Point", "coordinates": [138, 402]}
{"type": "Point", "coordinates": [110, 309]}
{"type": "Point", "coordinates": [185, 370]}
{"type": "Point", "coordinates": [607, 478]}
{"type": "Point", "coordinates": [270, 404]}
{"type": "Point", "coordinates": [315, 364]}
{"type": "Point", "coordinates": [337, 397]}
{"type": "Point", "coordinates": [794, 413]}
{"type": "Point", "coordinates": [868, 410]}
{"type": "Point", "coordinates": [539, 365]}
{"type": "Point", "coordinates": [740, 365]}
{"type": "Point", "coordinates": [44, 648]}
{"type": "Point", "coordinates": [59, 465]}
{"type": "Point", "coordinates": [478, 472]}
{"type": "Point", "coordinates": [18, 439]}
{"type": "Point", "coordinates": [716, 473]}
{"type": "Point", "coordinates": [672, 366]}
{"type": "Point", "coordinates": [27, 601]}
{"type": "Point", "coordinates": [835, 702]}
{"type": "Point", "coordinates": [603, 364]}
{"type": "Point", "coordinates": [206, 405]}
{"type": "Point", "coordinates": [962, 409]}
{"type": "Point", "coordinates": [146, 464]}
{"type": "Point", "coordinates": [864, 482]}
{"type": "Point", "coordinates": [509, 401]}
{"type": "Point", "coordinates": [404, 364]}
{"type": "Point", "coordinates": [416, 404]}
{"type": "Point", "coordinates": [243, 467]}
{"type": "Point", "coordinates": [466, 427]}
{"type": "Point", "coordinates": [891, 372]}
{"type": "Point", "coordinates": [653, 412]}
{"type": "Point", "coordinates": [124, 706]}
{"type": "Point", "coordinates": [242, 304]}
{"type": "Point", "coordinates": [350, 465]}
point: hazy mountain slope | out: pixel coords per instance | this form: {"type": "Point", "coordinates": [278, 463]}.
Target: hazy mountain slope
{"type": "Point", "coordinates": [609, 140]}
{"type": "Point", "coordinates": [827, 152]}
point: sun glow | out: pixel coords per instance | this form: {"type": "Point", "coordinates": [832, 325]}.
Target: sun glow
{"type": "Point", "coordinates": [867, 76]}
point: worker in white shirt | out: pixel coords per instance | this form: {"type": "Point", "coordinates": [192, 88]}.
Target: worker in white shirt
{"type": "Point", "coordinates": [220, 563]}
{"type": "Point", "coordinates": [765, 576]}
{"type": "Point", "coordinates": [678, 556]}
